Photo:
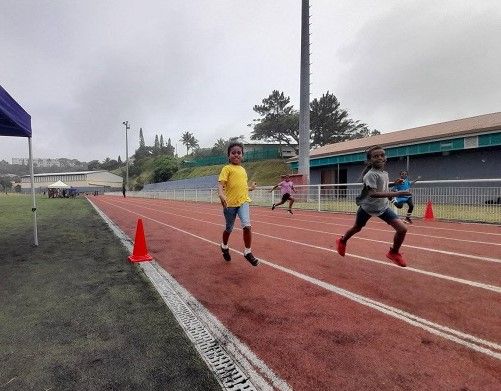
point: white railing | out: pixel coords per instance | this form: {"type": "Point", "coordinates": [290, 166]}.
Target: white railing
{"type": "Point", "coordinates": [465, 200]}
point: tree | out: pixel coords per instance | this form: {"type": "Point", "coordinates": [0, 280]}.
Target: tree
{"type": "Point", "coordinates": [143, 150]}
{"type": "Point", "coordinates": [219, 147]}
{"type": "Point", "coordinates": [169, 149]}
{"type": "Point", "coordinates": [156, 146]}
{"type": "Point", "coordinates": [141, 139]}
{"type": "Point", "coordinates": [331, 124]}
{"type": "Point", "coordinates": [279, 121]}
{"type": "Point", "coordinates": [119, 160]}
{"type": "Point", "coordinates": [5, 184]}
{"type": "Point", "coordinates": [189, 140]}
{"type": "Point", "coordinates": [162, 145]}
{"type": "Point", "coordinates": [163, 168]}
{"type": "Point", "coordinates": [93, 165]}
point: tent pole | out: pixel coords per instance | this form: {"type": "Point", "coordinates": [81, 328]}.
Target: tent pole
{"type": "Point", "coordinates": [34, 207]}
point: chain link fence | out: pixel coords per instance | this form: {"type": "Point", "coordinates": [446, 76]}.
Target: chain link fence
{"type": "Point", "coordinates": [474, 200]}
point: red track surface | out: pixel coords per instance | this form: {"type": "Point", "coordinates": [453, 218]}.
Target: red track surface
{"type": "Point", "coordinates": [315, 338]}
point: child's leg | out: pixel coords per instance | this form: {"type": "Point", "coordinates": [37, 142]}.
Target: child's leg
{"type": "Point", "coordinates": [400, 231]}
{"type": "Point", "coordinates": [244, 216]}
{"type": "Point", "coordinates": [282, 201]}
{"type": "Point", "coordinates": [247, 237]}
{"type": "Point", "coordinates": [226, 236]}
{"type": "Point", "coordinates": [291, 201]}
{"type": "Point", "coordinates": [411, 207]}
{"type": "Point", "coordinates": [230, 215]}
{"type": "Point", "coordinates": [352, 231]}
{"type": "Point", "coordinates": [360, 221]}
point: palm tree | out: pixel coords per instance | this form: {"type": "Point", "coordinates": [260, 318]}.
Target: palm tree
{"type": "Point", "coordinates": [189, 140]}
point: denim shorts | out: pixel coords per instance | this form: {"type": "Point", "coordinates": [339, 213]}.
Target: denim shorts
{"type": "Point", "coordinates": [243, 212]}
{"type": "Point", "coordinates": [363, 217]}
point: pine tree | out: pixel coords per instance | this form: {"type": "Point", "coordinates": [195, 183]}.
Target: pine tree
{"type": "Point", "coordinates": [141, 139]}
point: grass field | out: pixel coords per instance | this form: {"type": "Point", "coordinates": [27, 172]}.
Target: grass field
{"type": "Point", "coordinates": [75, 315]}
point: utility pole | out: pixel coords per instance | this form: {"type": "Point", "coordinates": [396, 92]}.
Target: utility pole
{"type": "Point", "coordinates": [127, 127]}
{"type": "Point", "coordinates": [304, 91]}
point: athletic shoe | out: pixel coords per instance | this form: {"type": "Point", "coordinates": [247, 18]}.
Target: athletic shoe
{"type": "Point", "coordinates": [226, 254]}
{"type": "Point", "coordinates": [252, 259]}
{"type": "Point", "coordinates": [340, 246]}
{"type": "Point", "coordinates": [396, 258]}
{"type": "Point", "coordinates": [273, 207]}
{"type": "Point", "coordinates": [408, 220]}
{"type": "Point", "coordinates": [290, 211]}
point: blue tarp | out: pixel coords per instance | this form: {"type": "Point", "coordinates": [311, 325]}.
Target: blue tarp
{"type": "Point", "coordinates": [14, 120]}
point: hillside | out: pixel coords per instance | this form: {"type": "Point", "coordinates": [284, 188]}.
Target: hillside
{"type": "Point", "coordinates": [264, 173]}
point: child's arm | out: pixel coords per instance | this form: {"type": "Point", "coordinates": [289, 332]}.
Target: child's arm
{"type": "Point", "coordinates": [274, 187]}
{"type": "Point", "coordinates": [383, 194]}
{"type": "Point", "coordinates": [415, 180]}
{"type": "Point", "coordinates": [396, 182]}
{"type": "Point", "coordinates": [222, 196]}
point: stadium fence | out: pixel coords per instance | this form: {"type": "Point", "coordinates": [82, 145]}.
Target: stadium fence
{"type": "Point", "coordinates": [473, 200]}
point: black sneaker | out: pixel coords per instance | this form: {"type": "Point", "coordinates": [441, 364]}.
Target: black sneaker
{"type": "Point", "coordinates": [290, 211]}
{"type": "Point", "coordinates": [226, 254]}
{"type": "Point", "coordinates": [408, 220]}
{"type": "Point", "coordinates": [273, 207]}
{"type": "Point", "coordinates": [252, 259]}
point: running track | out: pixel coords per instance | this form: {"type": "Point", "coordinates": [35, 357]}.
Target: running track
{"type": "Point", "coordinates": [324, 322]}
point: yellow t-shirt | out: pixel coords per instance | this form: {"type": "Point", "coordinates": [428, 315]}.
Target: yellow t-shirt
{"type": "Point", "coordinates": [236, 188]}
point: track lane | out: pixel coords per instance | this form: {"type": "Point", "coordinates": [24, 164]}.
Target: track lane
{"type": "Point", "coordinates": [458, 265]}
{"type": "Point", "coordinates": [259, 303]}
{"type": "Point", "coordinates": [395, 286]}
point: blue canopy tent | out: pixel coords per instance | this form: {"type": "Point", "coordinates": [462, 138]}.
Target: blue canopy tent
{"type": "Point", "coordinates": [16, 122]}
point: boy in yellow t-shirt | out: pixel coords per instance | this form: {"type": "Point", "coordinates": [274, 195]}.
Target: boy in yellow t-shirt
{"type": "Point", "coordinates": [234, 196]}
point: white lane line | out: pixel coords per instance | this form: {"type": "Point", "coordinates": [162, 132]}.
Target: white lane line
{"type": "Point", "coordinates": [489, 348]}
{"type": "Point", "coordinates": [475, 284]}
{"type": "Point", "coordinates": [405, 245]}
{"type": "Point", "coordinates": [415, 226]}
{"type": "Point", "coordinates": [409, 232]}
{"type": "Point", "coordinates": [246, 357]}
{"type": "Point", "coordinates": [347, 223]}
{"type": "Point", "coordinates": [313, 213]}
{"type": "Point", "coordinates": [220, 338]}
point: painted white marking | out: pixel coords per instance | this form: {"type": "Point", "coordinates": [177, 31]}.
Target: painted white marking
{"type": "Point", "coordinates": [253, 367]}
{"type": "Point", "coordinates": [471, 256]}
{"type": "Point", "coordinates": [489, 348]}
{"type": "Point", "coordinates": [476, 284]}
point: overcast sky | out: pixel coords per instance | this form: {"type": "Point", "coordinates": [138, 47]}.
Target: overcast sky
{"type": "Point", "coordinates": [82, 67]}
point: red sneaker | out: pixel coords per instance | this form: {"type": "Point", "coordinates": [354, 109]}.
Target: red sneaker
{"type": "Point", "coordinates": [340, 246]}
{"type": "Point", "coordinates": [396, 258]}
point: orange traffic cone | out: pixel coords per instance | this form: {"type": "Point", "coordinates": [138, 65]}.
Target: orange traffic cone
{"type": "Point", "coordinates": [428, 212]}
{"type": "Point", "coordinates": [140, 252]}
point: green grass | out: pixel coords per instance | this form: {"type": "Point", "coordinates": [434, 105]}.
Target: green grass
{"type": "Point", "coordinates": [265, 172]}
{"type": "Point", "coordinates": [75, 315]}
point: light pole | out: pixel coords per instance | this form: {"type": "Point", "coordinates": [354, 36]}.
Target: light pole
{"type": "Point", "coordinates": [127, 127]}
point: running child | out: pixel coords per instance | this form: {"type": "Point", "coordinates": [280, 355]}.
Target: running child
{"type": "Point", "coordinates": [403, 183]}
{"type": "Point", "coordinates": [286, 188]}
{"type": "Point", "coordinates": [234, 195]}
{"type": "Point", "coordinates": [373, 201]}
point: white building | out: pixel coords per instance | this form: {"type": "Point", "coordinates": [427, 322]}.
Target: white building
{"type": "Point", "coordinates": [38, 162]}
{"type": "Point", "coordinates": [82, 180]}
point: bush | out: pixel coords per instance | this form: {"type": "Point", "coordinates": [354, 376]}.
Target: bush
{"type": "Point", "coordinates": [163, 168]}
